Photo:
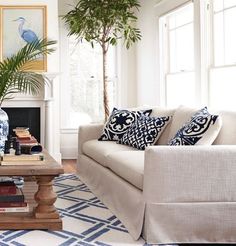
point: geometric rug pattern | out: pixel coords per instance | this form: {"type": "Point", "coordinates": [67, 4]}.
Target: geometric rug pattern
{"type": "Point", "coordinates": [86, 221]}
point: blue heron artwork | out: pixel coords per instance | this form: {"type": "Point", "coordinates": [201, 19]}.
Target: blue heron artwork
{"type": "Point", "coordinates": [27, 35]}
{"type": "Point", "coordinates": [21, 25]}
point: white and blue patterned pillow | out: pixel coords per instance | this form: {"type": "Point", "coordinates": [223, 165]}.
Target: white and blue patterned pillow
{"type": "Point", "coordinates": [203, 128]}
{"type": "Point", "coordinates": [119, 122]}
{"type": "Point", "coordinates": [144, 132]}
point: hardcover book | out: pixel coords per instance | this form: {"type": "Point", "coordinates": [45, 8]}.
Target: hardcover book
{"type": "Point", "coordinates": [23, 157]}
{"type": "Point", "coordinates": [23, 163]}
{"type": "Point", "coordinates": [7, 187]}
{"type": "Point", "coordinates": [12, 204]}
{"type": "Point", "coordinates": [31, 140]}
{"type": "Point", "coordinates": [22, 209]}
{"type": "Point", "coordinates": [18, 197]}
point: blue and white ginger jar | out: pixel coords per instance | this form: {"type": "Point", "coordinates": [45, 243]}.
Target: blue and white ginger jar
{"type": "Point", "coordinates": [4, 129]}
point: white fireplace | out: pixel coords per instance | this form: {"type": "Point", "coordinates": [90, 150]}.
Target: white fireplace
{"type": "Point", "coordinates": [47, 101]}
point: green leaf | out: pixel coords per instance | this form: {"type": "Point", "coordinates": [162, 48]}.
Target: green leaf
{"type": "Point", "coordinates": [104, 21]}
{"type": "Point", "coordinates": [13, 75]}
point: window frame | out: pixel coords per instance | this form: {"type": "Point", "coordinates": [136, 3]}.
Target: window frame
{"type": "Point", "coordinates": [211, 51]}
{"type": "Point", "coordinates": [211, 21]}
{"type": "Point", "coordinates": [164, 59]}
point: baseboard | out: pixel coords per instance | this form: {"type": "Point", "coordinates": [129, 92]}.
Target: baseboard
{"type": "Point", "coordinates": [69, 153]}
{"type": "Point", "coordinates": [57, 157]}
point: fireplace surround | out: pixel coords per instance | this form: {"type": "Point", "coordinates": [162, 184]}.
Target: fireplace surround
{"type": "Point", "coordinates": [24, 117]}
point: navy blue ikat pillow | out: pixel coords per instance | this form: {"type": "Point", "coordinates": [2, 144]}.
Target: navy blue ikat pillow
{"type": "Point", "coordinates": [144, 132]}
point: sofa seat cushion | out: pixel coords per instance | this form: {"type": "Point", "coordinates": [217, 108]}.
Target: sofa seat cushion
{"type": "Point", "coordinates": [99, 150]}
{"type": "Point", "coordinates": [129, 165]}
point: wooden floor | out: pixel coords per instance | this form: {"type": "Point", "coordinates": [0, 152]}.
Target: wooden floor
{"type": "Point", "coordinates": [69, 166]}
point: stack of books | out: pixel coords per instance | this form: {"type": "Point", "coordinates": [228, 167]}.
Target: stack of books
{"type": "Point", "coordinates": [12, 198]}
{"type": "Point", "coordinates": [24, 137]}
{"type": "Point", "coordinates": [28, 143]}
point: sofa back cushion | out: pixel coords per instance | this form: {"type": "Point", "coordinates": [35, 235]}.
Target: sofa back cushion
{"type": "Point", "coordinates": [227, 134]}
{"type": "Point", "coordinates": [181, 115]}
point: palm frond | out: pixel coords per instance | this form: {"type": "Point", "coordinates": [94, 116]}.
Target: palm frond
{"type": "Point", "coordinates": [14, 78]}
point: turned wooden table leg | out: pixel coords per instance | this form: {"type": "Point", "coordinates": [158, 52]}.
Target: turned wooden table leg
{"type": "Point", "coordinates": [45, 198]}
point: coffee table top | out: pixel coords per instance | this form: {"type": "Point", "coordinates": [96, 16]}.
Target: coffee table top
{"type": "Point", "coordinates": [50, 167]}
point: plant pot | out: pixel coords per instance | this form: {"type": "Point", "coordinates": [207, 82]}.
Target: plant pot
{"type": "Point", "coordinates": [4, 129]}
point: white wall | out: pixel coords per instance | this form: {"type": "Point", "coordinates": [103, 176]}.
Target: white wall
{"type": "Point", "coordinates": [127, 77]}
{"type": "Point", "coordinates": [53, 61]}
{"type": "Point", "coordinates": [68, 137]}
{"type": "Point", "coordinates": [146, 53]}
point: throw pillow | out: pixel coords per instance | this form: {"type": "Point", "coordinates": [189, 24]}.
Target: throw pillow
{"type": "Point", "coordinates": [144, 132]}
{"type": "Point", "coordinates": [202, 129]}
{"type": "Point", "coordinates": [119, 122]}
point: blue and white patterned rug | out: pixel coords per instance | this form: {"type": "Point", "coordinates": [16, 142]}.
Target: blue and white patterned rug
{"type": "Point", "coordinates": [86, 221]}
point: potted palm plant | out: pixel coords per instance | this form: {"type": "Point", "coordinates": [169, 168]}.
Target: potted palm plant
{"type": "Point", "coordinates": [16, 77]}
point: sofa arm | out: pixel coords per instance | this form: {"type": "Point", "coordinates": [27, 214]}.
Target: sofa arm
{"type": "Point", "coordinates": [88, 132]}
{"type": "Point", "coordinates": [190, 174]}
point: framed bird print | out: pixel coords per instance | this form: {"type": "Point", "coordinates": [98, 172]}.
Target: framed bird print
{"type": "Point", "coordinates": [21, 25]}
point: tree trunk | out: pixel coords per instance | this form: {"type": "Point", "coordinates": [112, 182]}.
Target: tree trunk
{"type": "Point", "coordinates": [105, 83]}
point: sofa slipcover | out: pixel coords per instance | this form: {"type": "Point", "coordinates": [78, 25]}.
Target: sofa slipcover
{"type": "Point", "coordinates": [188, 192]}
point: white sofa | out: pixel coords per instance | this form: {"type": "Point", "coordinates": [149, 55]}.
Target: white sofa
{"type": "Point", "coordinates": [167, 194]}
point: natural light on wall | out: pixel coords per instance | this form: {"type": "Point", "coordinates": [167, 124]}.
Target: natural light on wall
{"type": "Point", "coordinates": [177, 48]}
{"type": "Point", "coordinates": [223, 88]}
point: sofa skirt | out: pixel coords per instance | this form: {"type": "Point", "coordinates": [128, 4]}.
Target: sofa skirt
{"type": "Point", "coordinates": [203, 222]}
{"type": "Point", "coordinates": [122, 198]}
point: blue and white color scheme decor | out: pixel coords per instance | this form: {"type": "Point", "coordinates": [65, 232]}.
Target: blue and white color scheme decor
{"type": "Point", "coordinates": [86, 221]}
{"type": "Point", "coordinates": [29, 36]}
{"type": "Point", "coordinates": [202, 129]}
{"type": "Point", "coordinates": [119, 122]}
{"type": "Point", "coordinates": [4, 129]}
{"type": "Point", "coordinates": [144, 131]}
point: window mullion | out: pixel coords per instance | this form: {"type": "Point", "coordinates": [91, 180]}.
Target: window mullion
{"type": "Point", "coordinates": [211, 34]}
{"type": "Point", "coordinates": [167, 56]}
{"type": "Point", "coordinates": [224, 32]}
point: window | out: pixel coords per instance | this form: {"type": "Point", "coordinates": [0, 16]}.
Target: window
{"type": "Point", "coordinates": [178, 56]}
{"type": "Point", "coordinates": [86, 102]}
{"type": "Point", "coordinates": [82, 87]}
{"type": "Point", "coordinates": [224, 19]}
{"type": "Point", "coordinates": [223, 65]}
{"type": "Point", "coordinates": [198, 54]}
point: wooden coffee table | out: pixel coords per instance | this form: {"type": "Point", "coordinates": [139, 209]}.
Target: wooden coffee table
{"type": "Point", "coordinates": [41, 197]}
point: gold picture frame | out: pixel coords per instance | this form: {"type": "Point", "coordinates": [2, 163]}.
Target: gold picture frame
{"type": "Point", "coordinates": [20, 25]}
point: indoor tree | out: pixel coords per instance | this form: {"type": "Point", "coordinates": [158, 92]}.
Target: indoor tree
{"type": "Point", "coordinates": [104, 22]}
